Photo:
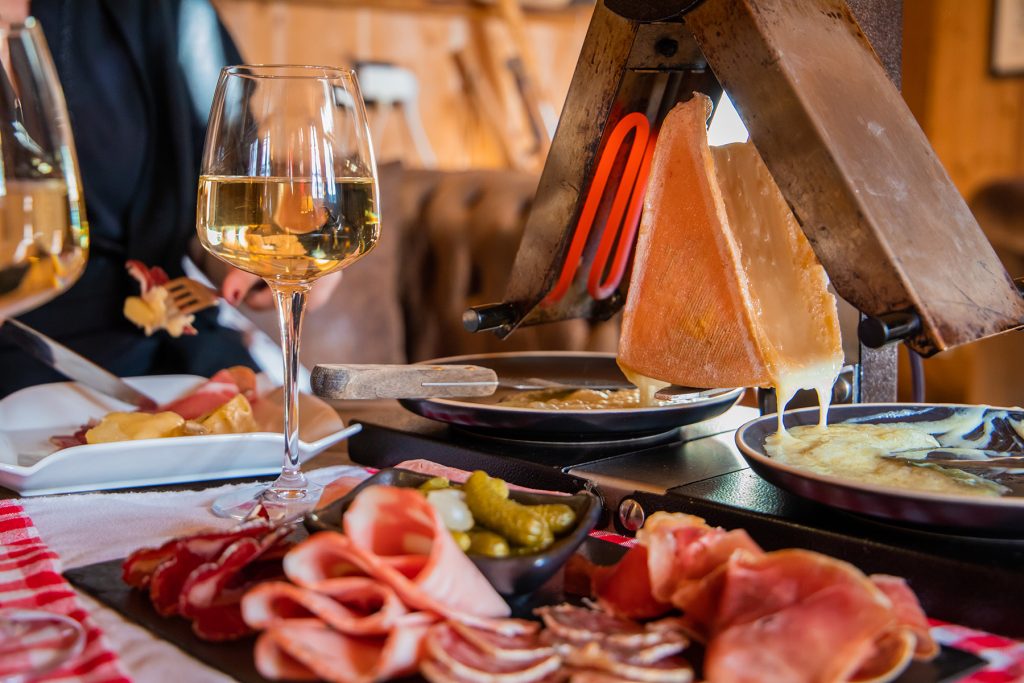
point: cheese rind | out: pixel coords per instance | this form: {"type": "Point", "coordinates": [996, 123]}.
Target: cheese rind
{"type": "Point", "coordinates": [725, 289]}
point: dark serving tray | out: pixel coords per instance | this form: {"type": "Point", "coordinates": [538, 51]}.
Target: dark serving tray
{"type": "Point", "coordinates": [103, 582]}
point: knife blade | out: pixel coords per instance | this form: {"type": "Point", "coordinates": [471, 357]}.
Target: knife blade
{"type": "Point", "coordinates": [72, 365]}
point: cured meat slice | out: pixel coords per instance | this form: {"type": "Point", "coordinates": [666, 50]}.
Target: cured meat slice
{"type": "Point", "coordinates": [892, 653]}
{"type": "Point", "coordinates": [790, 615]}
{"type": "Point", "coordinates": [353, 605]}
{"type": "Point", "coordinates": [624, 589]}
{"type": "Point", "coordinates": [725, 289]}
{"type": "Point", "coordinates": [454, 474]}
{"type": "Point", "coordinates": [682, 550]}
{"type": "Point", "coordinates": [908, 613]}
{"type": "Point", "coordinates": [139, 567]}
{"type": "Point", "coordinates": [825, 637]}
{"type": "Point", "coordinates": [464, 660]}
{"type": "Point", "coordinates": [511, 648]}
{"type": "Point", "coordinates": [595, 655]}
{"type": "Point", "coordinates": [581, 626]}
{"type": "Point", "coordinates": [211, 596]}
{"type": "Point", "coordinates": [214, 393]}
{"type": "Point", "coordinates": [308, 649]}
{"type": "Point", "coordinates": [396, 536]}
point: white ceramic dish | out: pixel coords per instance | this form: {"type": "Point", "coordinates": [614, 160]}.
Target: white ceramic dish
{"type": "Point", "coordinates": [32, 466]}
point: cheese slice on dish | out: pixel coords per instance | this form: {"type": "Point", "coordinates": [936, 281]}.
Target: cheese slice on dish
{"type": "Point", "coordinates": [725, 289]}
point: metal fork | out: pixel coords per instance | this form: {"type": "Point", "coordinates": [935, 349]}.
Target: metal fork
{"type": "Point", "coordinates": [189, 296]}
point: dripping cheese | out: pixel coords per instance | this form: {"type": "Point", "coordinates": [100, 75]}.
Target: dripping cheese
{"type": "Point", "coordinates": [725, 289]}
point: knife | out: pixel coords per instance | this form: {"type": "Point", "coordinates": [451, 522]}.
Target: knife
{"type": "Point", "coordinates": [71, 365]}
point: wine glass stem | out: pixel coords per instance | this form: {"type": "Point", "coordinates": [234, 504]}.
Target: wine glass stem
{"type": "Point", "coordinates": [291, 304]}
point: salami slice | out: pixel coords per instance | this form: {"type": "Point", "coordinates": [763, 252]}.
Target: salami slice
{"type": "Point", "coordinates": [465, 661]}
{"type": "Point", "coordinates": [511, 648]}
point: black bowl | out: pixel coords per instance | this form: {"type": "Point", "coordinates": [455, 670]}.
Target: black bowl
{"type": "Point", "coordinates": [509, 575]}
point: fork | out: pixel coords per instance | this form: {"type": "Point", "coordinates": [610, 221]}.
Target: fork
{"type": "Point", "coordinates": [189, 296]}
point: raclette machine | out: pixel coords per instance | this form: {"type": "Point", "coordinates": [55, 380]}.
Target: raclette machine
{"type": "Point", "coordinates": [894, 235]}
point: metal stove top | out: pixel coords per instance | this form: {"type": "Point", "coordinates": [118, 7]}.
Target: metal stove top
{"type": "Point", "coordinates": [698, 470]}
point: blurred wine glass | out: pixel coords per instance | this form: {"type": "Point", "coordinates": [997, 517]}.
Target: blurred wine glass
{"type": "Point", "coordinates": [44, 236]}
{"type": "Point", "coordinates": [43, 249]}
{"type": "Point", "coordinates": [288, 192]}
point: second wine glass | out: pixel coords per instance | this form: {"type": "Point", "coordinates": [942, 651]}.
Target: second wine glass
{"type": "Point", "coordinates": [288, 192]}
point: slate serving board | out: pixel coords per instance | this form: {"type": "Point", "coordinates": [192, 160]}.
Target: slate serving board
{"type": "Point", "coordinates": [103, 582]}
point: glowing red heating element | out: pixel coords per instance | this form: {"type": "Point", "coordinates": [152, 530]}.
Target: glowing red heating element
{"type": "Point", "coordinates": [623, 218]}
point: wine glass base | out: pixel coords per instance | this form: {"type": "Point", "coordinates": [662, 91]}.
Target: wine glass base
{"type": "Point", "coordinates": [58, 639]}
{"type": "Point", "coordinates": [279, 503]}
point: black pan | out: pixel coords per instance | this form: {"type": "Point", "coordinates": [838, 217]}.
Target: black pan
{"type": "Point", "coordinates": [1003, 517]}
{"type": "Point", "coordinates": [486, 414]}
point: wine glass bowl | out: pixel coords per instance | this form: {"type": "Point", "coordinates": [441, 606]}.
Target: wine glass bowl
{"type": "Point", "coordinates": [44, 241]}
{"type": "Point", "coordinates": [44, 236]}
{"type": "Point", "coordinates": [288, 192]}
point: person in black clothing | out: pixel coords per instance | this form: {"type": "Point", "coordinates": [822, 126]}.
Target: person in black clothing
{"type": "Point", "coordinates": [138, 77]}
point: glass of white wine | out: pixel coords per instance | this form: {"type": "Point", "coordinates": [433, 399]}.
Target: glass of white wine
{"type": "Point", "coordinates": [44, 242]}
{"type": "Point", "coordinates": [288, 192]}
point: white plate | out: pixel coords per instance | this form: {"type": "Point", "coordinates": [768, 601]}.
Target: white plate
{"type": "Point", "coordinates": [32, 466]}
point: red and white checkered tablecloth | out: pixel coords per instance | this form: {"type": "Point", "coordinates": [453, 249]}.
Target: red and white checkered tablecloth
{"type": "Point", "coordinates": [30, 578]}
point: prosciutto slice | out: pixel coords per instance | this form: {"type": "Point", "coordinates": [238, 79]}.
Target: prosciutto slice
{"type": "Point", "coordinates": [309, 649]}
{"type": "Point", "coordinates": [909, 614]}
{"type": "Point", "coordinates": [395, 536]}
{"type": "Point", "coordinates": [683, 550]}
{"type": "Point", "coordinates": [214, 393]}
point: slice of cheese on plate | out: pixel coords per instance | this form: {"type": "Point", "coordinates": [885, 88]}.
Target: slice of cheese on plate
{"type": "Point", "coordinates": [725, 289]}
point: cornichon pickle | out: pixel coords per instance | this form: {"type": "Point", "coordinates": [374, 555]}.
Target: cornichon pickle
{"type": "Point", "coordinates": [435, 484]}
{"type": "Point", "coordinates": [482, 542]}
{"type": "Point", "coordinates": [463, 540]}
{"type": "Point", "coordinates": [518, 523]}
{"type": "Point", "coordinates": [559, 516]}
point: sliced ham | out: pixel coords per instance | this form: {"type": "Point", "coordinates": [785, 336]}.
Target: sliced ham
{"type": "Point", "coordinates": [214, 393]}
{"type": "Point", "coordinates": [456, 475]}
{"type": "Point", "coordinates": [354, 605]}
{"type": "Point", "coordinates": [682, 550]}
{"type": "Point", "coordinates": [308, 649]}
{"type": "Point", "coordinates": [394, 535]}
{"type": "Point", "coordinates": [909, 614]}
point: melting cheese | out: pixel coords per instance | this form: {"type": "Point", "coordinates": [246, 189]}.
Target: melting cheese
{"type": "Point", "coordinates": [725, 289]}
{"type": "Point", "coordinates": [133, 426]}
{"type": "Point", "coordinates": [853, 451]}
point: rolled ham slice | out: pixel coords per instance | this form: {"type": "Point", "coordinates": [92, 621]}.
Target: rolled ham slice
{"type": "Point", "coordinates": [395, 536]}
{"type": "Point", "coordinates": [309, 649]}
{"type": "Point", "coordinates": [354, 605]}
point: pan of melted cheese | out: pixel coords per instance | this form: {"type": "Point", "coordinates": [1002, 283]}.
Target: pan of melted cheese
{"type": "Point", "coordinates": [843, 465]}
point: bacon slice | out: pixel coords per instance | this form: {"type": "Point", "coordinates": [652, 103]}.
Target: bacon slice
{"type": "Point", "coordinates": [394, 535]}
{"type": "Point", "coordinates": [354, 605]}
{"type": "Point", "coordinates": [308, 649]}
{"type": "Point", "coordinates": [214, 393]}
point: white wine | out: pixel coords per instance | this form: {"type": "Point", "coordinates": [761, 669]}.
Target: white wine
{"type": "Point", "coordinates": [43, 243]}
{"type": "Point", "coordinates": [287, 229]}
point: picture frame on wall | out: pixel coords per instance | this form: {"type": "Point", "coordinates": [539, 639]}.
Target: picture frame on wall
{"type": "Point", "coordinates": [1007, 41]}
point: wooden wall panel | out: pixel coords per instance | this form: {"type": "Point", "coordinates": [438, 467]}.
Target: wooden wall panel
{"type": "Point", "coordinates": [341, 33]}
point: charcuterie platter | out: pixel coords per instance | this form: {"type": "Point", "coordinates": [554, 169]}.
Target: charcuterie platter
{"type": "Point", "coordinates": [103, 582]}
{"type": "Point", "coordinates": [394, 592]}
